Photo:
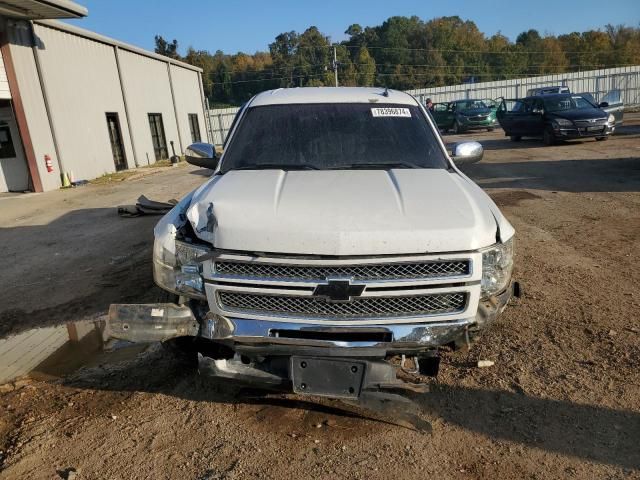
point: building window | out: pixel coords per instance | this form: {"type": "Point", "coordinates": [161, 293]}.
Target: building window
{"type": "Point", "coordinates": [194, 126]}
{"type": "Point", "coordinates": [6, 144]}
{"type": "Point", "coordinates": [157, 136]}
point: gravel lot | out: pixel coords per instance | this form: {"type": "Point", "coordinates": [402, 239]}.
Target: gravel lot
{"type": "Point", "coordinates": [561, 401]}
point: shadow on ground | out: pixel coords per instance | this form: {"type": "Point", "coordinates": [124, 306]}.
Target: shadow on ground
{"type": "Point", "coordinates": [589, 175]}
{"type": "Point", "coordinates": [74, 267]}
{"type": "Point", "coordinates": [593, 433]}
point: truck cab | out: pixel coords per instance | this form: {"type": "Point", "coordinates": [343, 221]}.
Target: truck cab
{"type": "Point", "coordinates": [336, 235]}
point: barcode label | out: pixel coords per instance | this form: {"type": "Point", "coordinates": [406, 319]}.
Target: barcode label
{"type": "Point", "coordinates": [390, 112]}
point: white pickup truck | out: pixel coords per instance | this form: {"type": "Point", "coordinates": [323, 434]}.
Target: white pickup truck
{"type": "Point", "coordinates": [335, 240]}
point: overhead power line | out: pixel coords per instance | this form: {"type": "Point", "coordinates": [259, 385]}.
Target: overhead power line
{"type": "Point", "coordinates": [443, 50]}
{"type": "Point", "coordinates": [291, 68]}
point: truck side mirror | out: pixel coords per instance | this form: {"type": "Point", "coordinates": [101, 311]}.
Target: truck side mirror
{"type": "Point", "coordinates": [202, 155]}
{"type": "Point", "coordinates": [603, 104]}
{"type": "Point", "coordinates": [467, 152]}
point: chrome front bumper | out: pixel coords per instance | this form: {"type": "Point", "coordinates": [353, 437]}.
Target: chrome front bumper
{"type": "Point", "coordinates": [287, 338]}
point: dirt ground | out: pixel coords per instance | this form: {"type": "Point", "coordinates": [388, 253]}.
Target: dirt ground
{"type": "Point", "coordinates": [561, 401]}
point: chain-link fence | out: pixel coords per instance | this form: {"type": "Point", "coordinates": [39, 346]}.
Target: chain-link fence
{"type": "Point", "coordinates": [596, 82]}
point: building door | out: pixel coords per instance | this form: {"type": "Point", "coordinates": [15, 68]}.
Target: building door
{"type": "Point", "coordinates": [115, 137]}
{"type": "Point", "coordinates": [14, 174]}
{"type": "Point", "coordinates": [157, 136]}
{"type": "Point", "coordinates": [194, 127]}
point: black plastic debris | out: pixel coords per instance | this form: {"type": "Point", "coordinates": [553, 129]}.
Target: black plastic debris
{"type": "Point", "coordinates": [145, 206]}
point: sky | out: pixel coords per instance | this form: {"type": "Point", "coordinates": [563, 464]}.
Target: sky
{"type": "Point", "coordinates": [250, 25]}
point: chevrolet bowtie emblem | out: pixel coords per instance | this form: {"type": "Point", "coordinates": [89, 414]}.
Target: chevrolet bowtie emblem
{"type": "Point", "coordinates": [338, 291]}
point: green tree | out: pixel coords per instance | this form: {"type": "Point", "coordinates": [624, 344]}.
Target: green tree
{"type": "Point", "coordinates": [168, 49]}
{"type": "Point", "coordinates": [313, 57]}
{"type": "Point", "coordinates": [366, 68]}
{"type": "Point", "coordinates": [283, 53]}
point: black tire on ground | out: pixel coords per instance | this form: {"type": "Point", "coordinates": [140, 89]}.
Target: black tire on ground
{"type": "Point", "coordinates": [601, 139]}
{"type": "Point", "coordinates": [515, 138]}
{"type": "Point", "coordinates": [548, 137]}
{"type": "Point", "coordinates": [490, 129]}
{"type": "Point", "coordinates": [457, 128]}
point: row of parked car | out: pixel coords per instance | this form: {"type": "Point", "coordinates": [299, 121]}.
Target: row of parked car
{"type": "Point", "coordinates": [550, 113]}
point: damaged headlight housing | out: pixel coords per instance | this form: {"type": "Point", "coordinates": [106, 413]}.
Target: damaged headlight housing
{"type": "Point", "coordinates": [178, 271]}
{"type": "Point", "coordinates": [497, 264]}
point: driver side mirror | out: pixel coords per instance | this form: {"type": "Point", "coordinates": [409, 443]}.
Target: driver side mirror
{"type": "Point", "coordinates": [202, 155]}
{"type": "Point", "coordinates": [467, 152]}
{"type": "Point", "coordinates": [603, 104]}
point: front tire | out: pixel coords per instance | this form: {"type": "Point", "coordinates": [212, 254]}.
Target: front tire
{"type": "Point", "coordinates": [548, 137]}
{"type": "Point", "coordinates": [515, 138]}
{"type": "Point", "coordinates": [457, 128]}
{"type": "Point", "coordinates": [601, 139]}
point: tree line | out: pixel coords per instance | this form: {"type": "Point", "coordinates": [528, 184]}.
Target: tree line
{"type": "Point", "coordinates": [405, 53]}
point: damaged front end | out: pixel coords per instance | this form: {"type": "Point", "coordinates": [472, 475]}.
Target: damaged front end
{"type": "Point", "coordinates": [340, 328]}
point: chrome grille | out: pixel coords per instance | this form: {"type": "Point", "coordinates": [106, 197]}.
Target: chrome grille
{"type": "Point", "coordinates": [360, 307]}
{"type": "Point", "coordinates": [601, 122]}
{"type": "Point", "coordinates": [386, 271]}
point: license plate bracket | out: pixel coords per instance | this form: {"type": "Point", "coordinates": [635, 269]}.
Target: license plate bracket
{"type": "Point", "coordinates": [328, 377]}
{"type": "Point", "coordinates": [594, 129]}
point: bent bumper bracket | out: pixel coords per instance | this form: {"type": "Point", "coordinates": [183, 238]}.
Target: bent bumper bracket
{"type": "Point", "coordinates": [151, 322]}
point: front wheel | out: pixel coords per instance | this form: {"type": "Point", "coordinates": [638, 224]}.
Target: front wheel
{"type": "Point", "coordinates": [548, 137]}
{"type": "Point", "coordinates": [515, 138]}
{"type": "Point", "coordinates": [490, 129]}
{"type": "Point", "coordinates": [457, 128]}
{"type": "Point", "coordinates": [601, 139]}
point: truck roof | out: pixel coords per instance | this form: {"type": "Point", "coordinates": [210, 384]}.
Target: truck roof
{"type": "Point", "coordinates": [283, 96]}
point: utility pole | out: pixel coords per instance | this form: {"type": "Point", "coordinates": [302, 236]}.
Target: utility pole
{"type": "Point", "coordinates": [335, 64]}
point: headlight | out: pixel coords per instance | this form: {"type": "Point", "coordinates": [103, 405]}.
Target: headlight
{"type": "Point", "coordinates": [563, 122]}
{"type": "Point", "coordinates": [177, 271]}
{"type": "Point", "coordinates": [497, 264]}
{"type": "Point", "coordinates": [611, 118]}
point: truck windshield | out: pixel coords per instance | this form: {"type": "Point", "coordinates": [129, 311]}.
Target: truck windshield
{"type": "Point", "coordinates": [333, 136]}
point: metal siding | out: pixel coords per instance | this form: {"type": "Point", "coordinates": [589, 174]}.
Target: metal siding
{"type": "Point", "coordinates": [187, 92]}
{"type": "Point", "coordinates": [82, 84]}
{"type": "Point", "coordinates": [24, 64]}
{"type": "Point", "coordinates": [146, 81]}
{"type": "Point", "coordinates": [596, 82]}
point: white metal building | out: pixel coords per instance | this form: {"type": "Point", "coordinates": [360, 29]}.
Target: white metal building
{"type": "Point", "coordinates": [77, 103]}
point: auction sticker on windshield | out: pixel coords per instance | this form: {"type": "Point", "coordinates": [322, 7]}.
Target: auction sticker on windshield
{"type": "Point", "coordinates": [390, 112]}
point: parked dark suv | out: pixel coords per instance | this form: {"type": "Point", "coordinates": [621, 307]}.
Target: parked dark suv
{"type": "Point", "coordinates": [554, 117]}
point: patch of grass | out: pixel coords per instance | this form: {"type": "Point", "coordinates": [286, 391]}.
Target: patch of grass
{"type": "Point", "coordinates": [108, 178]}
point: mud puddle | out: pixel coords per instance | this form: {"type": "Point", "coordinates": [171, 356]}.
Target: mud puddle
{"type": "Point", "coordinates": [57, 351]}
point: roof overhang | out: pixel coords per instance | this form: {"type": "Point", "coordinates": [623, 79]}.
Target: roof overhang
{"type": "Point", "coordinates": [41, 9]}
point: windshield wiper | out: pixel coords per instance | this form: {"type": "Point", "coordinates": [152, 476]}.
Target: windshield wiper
{"type": "Point", "coordinates": [384, 166]}
{"type": "Point", "coordinates": [274, 166]}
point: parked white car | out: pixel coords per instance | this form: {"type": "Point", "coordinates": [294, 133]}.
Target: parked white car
{"type": "Point", "coordinates": [336, 234]}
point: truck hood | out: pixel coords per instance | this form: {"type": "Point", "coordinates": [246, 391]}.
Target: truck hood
{"type": "Point", "coordinates": [343, 212]}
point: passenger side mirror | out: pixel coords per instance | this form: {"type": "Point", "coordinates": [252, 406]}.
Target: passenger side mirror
{"type": "Point", "coordinates": [603, 104]}
{"type": "Point", "coordinates": [202, 155]}
{"type": "Point", "coordinates": [538, 111]}
{"type": "Point", "coordinates": [467, 152]}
